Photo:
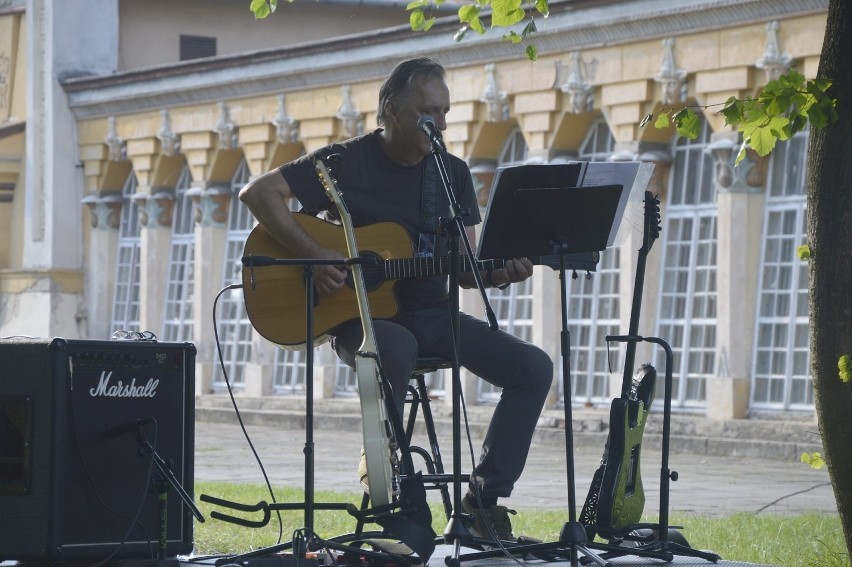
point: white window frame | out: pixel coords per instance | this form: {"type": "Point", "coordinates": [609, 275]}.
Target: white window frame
{"type": "Point", "coordinates": [689, 282]}
{"type": "Point", "coordinates": [125, 302]}
{"type": "Point", "coordinates": [232, 322]}
{"type": "Point", "coordinates": [178, 322]}
{"type": "Point", "coordinates": [782, 318]}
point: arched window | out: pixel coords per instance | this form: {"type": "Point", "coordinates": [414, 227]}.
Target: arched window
{"type": "Point", "coordinates": [781, 378]}
{"type": "Point", "coordinates": [687, 300]}
{"type": "Point", "coordinates": [125, 299]}
{"type": "Point", "coordinates": [180, 279]}
{"type": "Point", "coordinates": [288, 372]}
{"type": "Point", "coordinates": [593, 303]}
{"type": "Point", "coordinates": [513, 305]}
{"type": "Point", "coordinates": [234, 327]}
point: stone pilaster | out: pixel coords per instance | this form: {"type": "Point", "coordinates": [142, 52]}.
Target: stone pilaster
{"type": "Point", "coordinates": [739, 222]}
{"type": "Point", "coordinates": [210, 201]}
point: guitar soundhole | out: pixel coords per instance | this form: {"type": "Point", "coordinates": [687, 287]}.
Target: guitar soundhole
{"type": "Point", "coordinates": [373, 272]}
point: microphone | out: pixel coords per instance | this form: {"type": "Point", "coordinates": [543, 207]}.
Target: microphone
{"type": "Point", "coordinates": [427, 125]}
{"type": "Point", "coordinates": [128, 427]}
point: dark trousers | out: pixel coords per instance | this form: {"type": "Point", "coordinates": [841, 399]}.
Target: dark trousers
{"type": "Point", "coordinates": [522, 370]}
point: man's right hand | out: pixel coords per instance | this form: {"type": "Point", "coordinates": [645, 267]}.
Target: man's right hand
{"type": "Point", "coordinates": [329, 278]}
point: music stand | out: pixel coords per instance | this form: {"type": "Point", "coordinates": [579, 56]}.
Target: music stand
{"type": "Point", "coordinates": [562, 220]}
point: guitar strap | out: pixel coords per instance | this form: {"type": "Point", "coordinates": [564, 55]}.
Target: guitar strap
{"type": "Point", "coordinates": [428, 211]}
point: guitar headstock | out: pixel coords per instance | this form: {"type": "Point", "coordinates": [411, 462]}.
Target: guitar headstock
{"type": "Point", "coordinates": [653, 222]}
{"type": "Point", "coordinates": [324, 167]}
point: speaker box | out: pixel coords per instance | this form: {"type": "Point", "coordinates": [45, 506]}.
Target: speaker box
{"type": "Point", "coordinates": [80, 425]}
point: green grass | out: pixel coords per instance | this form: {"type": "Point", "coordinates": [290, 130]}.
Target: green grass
{"type": "Point", "coordinates": [790, 541]}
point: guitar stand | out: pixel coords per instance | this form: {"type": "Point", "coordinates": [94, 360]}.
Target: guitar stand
{"type": "Point", "coordinates": [653, 540]}
{"type": "Point", "coordinates": [307, 540]}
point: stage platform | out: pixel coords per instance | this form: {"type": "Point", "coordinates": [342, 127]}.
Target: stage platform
{"type": "Point", "coordinates": [444, 552]}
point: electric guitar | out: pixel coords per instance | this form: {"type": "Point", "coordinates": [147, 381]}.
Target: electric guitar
{"type": "Point", "coordinates": [377, 444]}
{"type": "Point", "coordinates": [616, 497]}
{"type": "Point", "coordinates": [622, 497]}
{"type": "Point", "coordinates": [274, 295]}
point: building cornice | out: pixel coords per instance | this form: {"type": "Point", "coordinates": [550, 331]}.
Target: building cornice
{"type": "Point", "coordinates": [364, 57]}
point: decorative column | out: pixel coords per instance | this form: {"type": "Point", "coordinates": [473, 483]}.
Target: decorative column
{"type": "Point", "coordinates": [740, 199]}
{"type": "Point", "coordinates": [580, 92]}
{"type": "Point", "coordinates": [106, 168]}
{"type": "Point", "coordinates": [774, 62]}
{"type": "Point", "coordinates": [351, 119]}
{"type": "Point", "coordinates": [211, 202]}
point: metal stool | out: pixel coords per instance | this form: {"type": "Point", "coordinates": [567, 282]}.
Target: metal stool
{"type": "Point", "coordinates": [418, 398]}
{"type": "Point", "coordinates": [419, 402]}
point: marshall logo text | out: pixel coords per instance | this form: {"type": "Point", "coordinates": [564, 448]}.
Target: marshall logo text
{"type": "Point", "coordinates": [121, 390]}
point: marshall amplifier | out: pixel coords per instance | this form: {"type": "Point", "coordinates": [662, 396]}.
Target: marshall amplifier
{"type": "Point", "coordinates": [81, 423]}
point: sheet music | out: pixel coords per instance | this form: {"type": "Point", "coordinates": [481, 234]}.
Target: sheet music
{"type": "Point", "coordinates": [511, 182]}
{"type": "Point", "coordinates": [634, 175]}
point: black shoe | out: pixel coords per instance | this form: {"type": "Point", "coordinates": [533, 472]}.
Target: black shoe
{"type": "Point", "coordinates": [491, 521]}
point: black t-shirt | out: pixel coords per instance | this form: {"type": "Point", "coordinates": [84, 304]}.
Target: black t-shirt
{"type": "Point", "coordinates": [377, 190]}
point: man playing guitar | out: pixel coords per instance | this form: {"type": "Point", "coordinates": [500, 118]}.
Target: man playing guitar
{"type": "Point", "coordinates": [385, 176]}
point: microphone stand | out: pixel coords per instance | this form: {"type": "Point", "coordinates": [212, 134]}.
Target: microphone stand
{"type": "Point", "coordinates": [167, 477]}
{"type": "Point", "coordinates": [457, 531]}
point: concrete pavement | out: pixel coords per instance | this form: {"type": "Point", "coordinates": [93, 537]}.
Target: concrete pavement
{"type": "Point", "coordinates": [707, 485]}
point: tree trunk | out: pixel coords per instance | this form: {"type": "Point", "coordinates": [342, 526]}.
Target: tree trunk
{"type": "Point", "coordinates": [830, 240]}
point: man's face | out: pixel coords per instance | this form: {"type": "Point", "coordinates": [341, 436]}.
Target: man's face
{"type": "Point", "coordinates": [429, 97]}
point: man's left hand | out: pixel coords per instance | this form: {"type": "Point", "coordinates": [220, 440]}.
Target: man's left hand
{"type": "Point", "coordinates": [516, 270]}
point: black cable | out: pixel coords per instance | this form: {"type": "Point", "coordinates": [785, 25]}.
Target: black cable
{"type": "Point", "coordinates": [139, 508]}
{"type": "Point", "coordinates": [237, 409]}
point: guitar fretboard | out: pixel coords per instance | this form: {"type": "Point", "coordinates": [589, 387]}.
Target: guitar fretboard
{"type": "Point", "coordinates": [399, 268]}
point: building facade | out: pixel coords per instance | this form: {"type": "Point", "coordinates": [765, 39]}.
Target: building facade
{"type": "Point", "coordinates": [120, 173]}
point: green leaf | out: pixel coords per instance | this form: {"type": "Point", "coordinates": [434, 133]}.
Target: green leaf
{"type": "Point", "coordinates": [542, 7]}
{"type": "Point", "coordinates": [532, 52]}
{"type": "Point", "coordinates": [468, 12]}
{"type": "Point", "coordinates": [662, 122]}
{"type": "Point", "coordinates": [797, 124]}
{"type": "Point", "coordinates": [762, 141]}
{"type": "Point", "coordinates": [417, 4]}
{"type": "Point", "coordinates": [260, 8]}
{"type": "Point", "coordinates": [688, 124]}
{"type": "Point", "coordinates": [814, 460]}
{"type": "Point", "coordinates": [420, 22]}
{"type": "Point", "coordinates": [732, 111]}
{"type": "Point", "coordinates": [506, 13]}
{"type": "Point", "coordinates": [512, 37]}
{"type": "Point", "coordinates": [529, 29]}
{"type": "Point", "coordinates": [762, 138]}
{"type": "Point", "coordinates": [845, 367]}
{"type": "Point", "coordinates": [803, 252]}
{"type": "Point", "coordinates": [417, 20]}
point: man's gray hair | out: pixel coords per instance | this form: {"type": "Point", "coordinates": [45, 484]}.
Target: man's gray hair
{"type": "Point", "coordinates": [397, 84]}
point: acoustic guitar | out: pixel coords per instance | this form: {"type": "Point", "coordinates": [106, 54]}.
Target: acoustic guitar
{"type": "Point", "coordinates": [275, 294]}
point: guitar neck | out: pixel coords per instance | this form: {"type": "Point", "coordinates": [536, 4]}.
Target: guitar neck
{"type": "Point", "coordinates": [400, 268]}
